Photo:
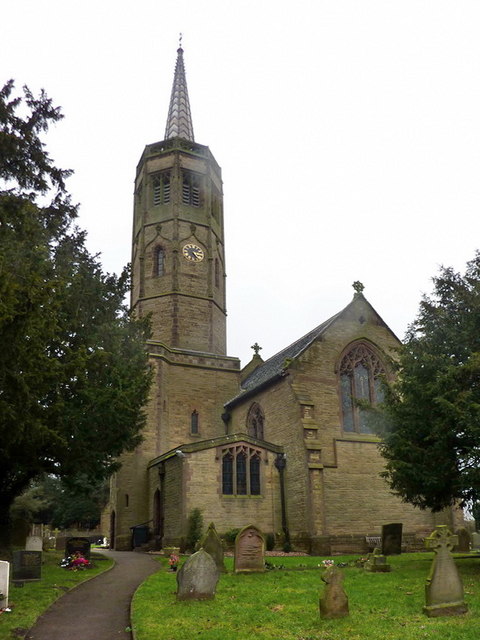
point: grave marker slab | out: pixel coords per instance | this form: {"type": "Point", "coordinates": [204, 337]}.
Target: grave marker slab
{"type": "Point", "coordinates": [4, 582]}
{"type": "Point", "coordinates": [26, 566]}
{"type": "Point", "coordinates": [34, 543]}
{"type": "Point", "coordinates": [377, 563]}
{"type": "Point", "coordinates": [392, 539]}
{"type": "Point", "coordinates": [249, 550]}
{"type": "Point", "coordinates": [80, 545]}
{"type": "Point", "coordinates": [444, 588]}
{"type": "Point", "coordinates": [475, 541]}
{"type": "Point", "coordinates": [464, 541]}
{"type": "Point", "coordinates": [334, 601]}
{"type": "Point", "coordinates": [197, 578]}
{"type": "Point", "coordinates": [213, 545]}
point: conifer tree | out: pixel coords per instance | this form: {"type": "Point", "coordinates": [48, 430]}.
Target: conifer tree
{"type": "Point", "coordinates": [73, 368]}
{"type": "Point", "coordinates": [432, 413]}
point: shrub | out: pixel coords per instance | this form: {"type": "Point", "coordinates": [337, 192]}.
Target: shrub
{"type": "Point", "coordinates": [269, 541]}
{"type": "Point", "coordinates": [195, 529]}
{"type": "Point", "coordinates": [230, 535]}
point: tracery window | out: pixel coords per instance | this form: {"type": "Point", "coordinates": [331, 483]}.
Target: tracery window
{"type": "Point", "coordinates": [161, 188]}
{"type": "Point", "coordinates": [361, 373]}
{"type": "Point", "coordinates": [255, 421]}
{"type": "Point", "coordinates": [159, 261]}
{"type": "Point", "coordinates": [191, 189]}
{"type": "Point", "coordinates": [241, 471]}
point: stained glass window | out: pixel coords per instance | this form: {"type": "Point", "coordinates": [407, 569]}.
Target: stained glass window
{"type": "Point", "coordinates": [361, 375]}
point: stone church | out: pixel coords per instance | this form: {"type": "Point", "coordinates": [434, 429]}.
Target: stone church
{"type": "Point", "coordinates": [280, 443]}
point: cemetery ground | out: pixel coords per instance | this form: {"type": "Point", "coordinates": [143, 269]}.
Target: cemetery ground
{"type": "Point", "coordinates": [283, 604]}
{"type": "Point", "coordinates": [27, 603]}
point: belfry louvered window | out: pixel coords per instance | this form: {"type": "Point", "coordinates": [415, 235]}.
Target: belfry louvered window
{"type": "Point", "coordinates": [241, 471]}
{"type": "Point", "coordinates": [161, 188]}
{"type": "Point", "coordinates": [361, 374]}
{"type": "Point", "coordinates": [191, 189]}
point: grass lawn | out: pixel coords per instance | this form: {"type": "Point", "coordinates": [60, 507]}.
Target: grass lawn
{"type": "Point", "coordinates": [31, 600]}
{"type": "Point", "coordinates": [283, 605]}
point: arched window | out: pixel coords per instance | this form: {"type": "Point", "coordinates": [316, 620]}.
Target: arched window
{"type": "Point", "coordinates": [217, 273]}
{"type": "Point", "coordinates": [361, 375]}
{"type": "Point", "coordinates": [255, 421]}
{"type": "Point", "coordinates": [194, 422]}
{"type": "Point", "coordinates": [159, 261]}
{"type": "Point", "coordinates": [241, 471]}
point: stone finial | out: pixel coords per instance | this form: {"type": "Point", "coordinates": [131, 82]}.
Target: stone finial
{"type": "Point", "coordinates": [256, 347]}
{"type": "Point", "coordinates": [334, 601]}
{"type": "Point", "coordinates": [444, 588]}
{"type": "Point", "coordinates": [358, 286]}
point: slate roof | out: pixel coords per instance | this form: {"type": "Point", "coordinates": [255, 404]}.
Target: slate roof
{"type": "Point", "coordinates": [274, 368]}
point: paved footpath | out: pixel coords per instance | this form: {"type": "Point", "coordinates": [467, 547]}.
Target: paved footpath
{"type": "Point", "coordinates": [98, 609]}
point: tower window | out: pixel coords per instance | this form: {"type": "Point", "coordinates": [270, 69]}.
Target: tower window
{"type": "Point", "coordinates": [360, 379]}
{"type": "Point", "coordinates": [255, 421]}
{"type": "Point", "coordinates": [161, 188]}
{"type": "Point", "coordinates": [194, 425]}
{"type": "Point", "coordinates": [159, 261]}
{"type": "Point", "coordinates": [217, 273]}
{"type": "Point", "coordinates": [241, 471]}
{"type": "Point", "coordinates": [191, 189]}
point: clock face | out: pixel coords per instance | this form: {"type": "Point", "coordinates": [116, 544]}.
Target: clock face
{"type": "Point", "coordinates": [193, 252]}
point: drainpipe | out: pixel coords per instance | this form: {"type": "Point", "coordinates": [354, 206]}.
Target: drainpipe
{"type": "Point", "coordinates": [281, 463]}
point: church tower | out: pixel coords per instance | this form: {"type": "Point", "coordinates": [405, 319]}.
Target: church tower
{"type": "Point", "coordinates": [178, 257]}
{"type": "Point", "coordinates": [178, 279]}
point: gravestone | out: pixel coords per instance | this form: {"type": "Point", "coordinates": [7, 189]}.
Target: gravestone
{"type": "Point", "coordinates": [377, 562]}
{"type": "Point", "coordinates": [444, 588]}
{"type": "Point", "coordinates": [392, 539]}
{"type": "Point", "coordinates": [26, 566]}
{"type": "Point", "coordinates": [78, 545]}
{"type": "Point", "coordinates": [475, 541]}
{"type": "Point", "coordinates": [464, 541]}
{"type": "Point", "coordinates": [334, 601]}
{"type": "Point", "coordinates": [249, 550]}
{"type": "Point", "coordinates": [34, 543]}
{"type": "Point", "coordinates": [197, 578]}
{"type": "Point", "coordinates": [4, 582]}
{"type": "Point", "coordinates": [213, 545]}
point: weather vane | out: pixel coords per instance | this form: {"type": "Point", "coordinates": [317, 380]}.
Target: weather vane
{"type": "Point", "coordinates": [180, 36]}
{"type": "Point", "coordinates": [358, 286]}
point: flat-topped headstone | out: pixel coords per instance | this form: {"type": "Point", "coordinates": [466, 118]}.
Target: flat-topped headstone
{"type": "Point", "coordinates": [26, 566]}
{"type": "Point", "coordinates": [197, 578]}
{"type": "Point", "coordinates": [475, 541]}
{"type": "Point", "coordinates": [249, 550]}
{"type": "Point", "coordinates": [444, 588]}
{"type": "Point", "coordinates": [4, 582]}
{"type": "Point", "coordinates": [464, 541]}
{"type": "Point", "coordinates": [392, 539]}
{"type": "Point", "coordinates": [78, 545]}
{"type": "Point", "coordinates": [34, 543]}
{"type": "Point", "coordinates": [213, 545]}
{"type": "Point", "coordinates": [334, 601]}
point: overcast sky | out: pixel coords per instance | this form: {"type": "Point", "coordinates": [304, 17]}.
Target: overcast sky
{"type": "Point", "coordinates": [348, 132]}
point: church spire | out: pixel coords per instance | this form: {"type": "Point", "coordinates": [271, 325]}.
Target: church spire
{"type": "Point", "coordinates": [179, 121]}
